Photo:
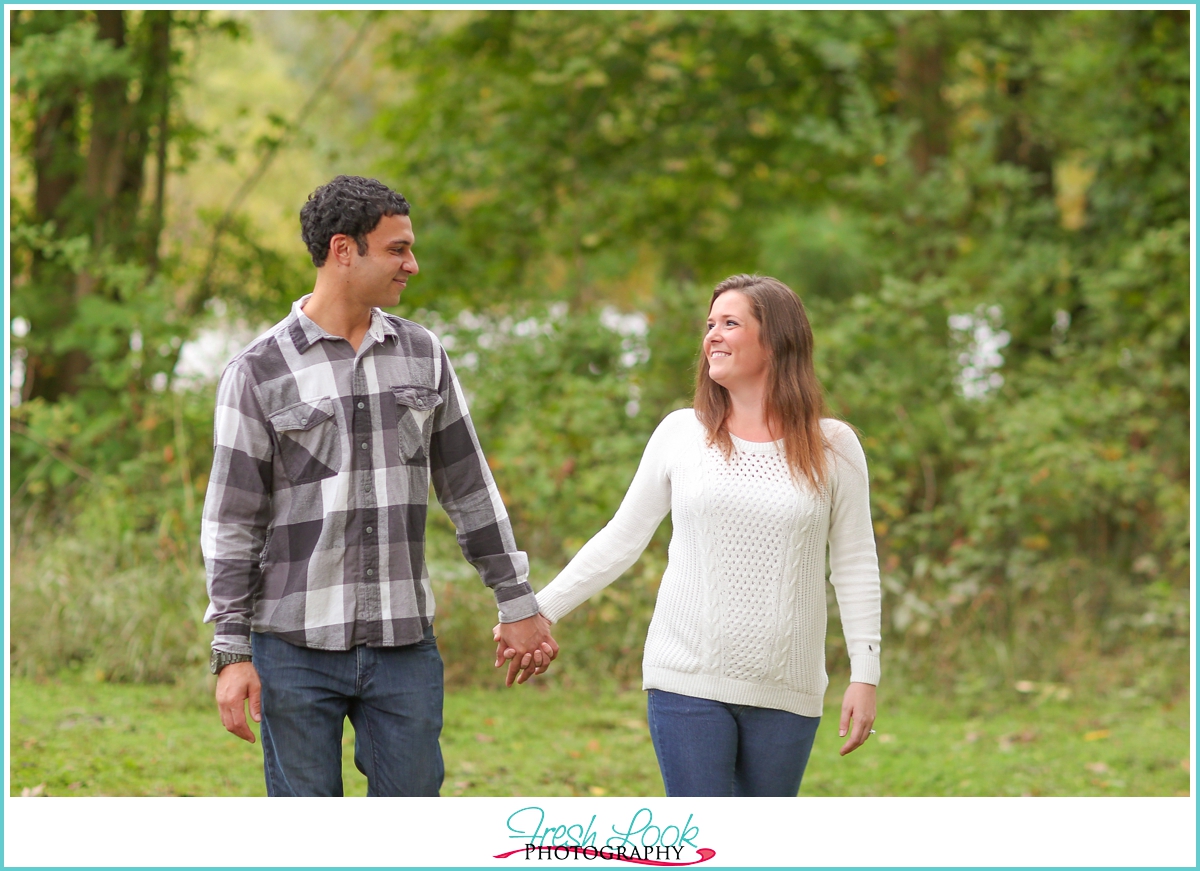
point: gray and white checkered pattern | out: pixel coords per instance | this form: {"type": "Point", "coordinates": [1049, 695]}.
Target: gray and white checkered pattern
{"type": "Point", "coordinates": [314, 521]}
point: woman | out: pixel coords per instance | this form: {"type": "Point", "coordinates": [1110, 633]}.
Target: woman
{"type": "Point", "coordinates": [758, 482]}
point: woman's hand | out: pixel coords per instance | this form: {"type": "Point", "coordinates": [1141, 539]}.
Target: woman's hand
{"type": "Point", "coordinates": [858, 704]}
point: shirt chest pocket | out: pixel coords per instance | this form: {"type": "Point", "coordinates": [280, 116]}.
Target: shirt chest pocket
{"type": "Point", "coordinates": [310, 445]}
{"type": "Point", "coordinates": [414, 420]}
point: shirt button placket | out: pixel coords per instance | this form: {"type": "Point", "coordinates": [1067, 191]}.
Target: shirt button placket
{"type": "Point", "coordinates": [368, 614]}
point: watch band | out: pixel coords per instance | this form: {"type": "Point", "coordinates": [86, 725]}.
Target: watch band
{"type": "Point", "coordinates": [218, 660]}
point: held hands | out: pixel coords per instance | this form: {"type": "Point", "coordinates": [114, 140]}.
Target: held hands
{"type": "Point", "coordinates": [235, 684]}
{"type": "Point", "coordinates": [858, 704]}
{"type": "Point", "coordinates": [527, 645]}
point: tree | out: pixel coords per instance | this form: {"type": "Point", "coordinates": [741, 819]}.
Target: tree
{"type": "Point", "coordinates": [92, 94]}
{"type": "Point", "coordinates": [1020, 173]}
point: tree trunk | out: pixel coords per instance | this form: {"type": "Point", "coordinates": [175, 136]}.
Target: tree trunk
{"type": "Point", "coordinates": [94, 186]}
{"type": "Point", "coordinates": [56, 174]}
{"type": "Point", "coordinates": [920, 70]}
{"type": "Point", "coordinates": [158, 104]}
{"type": "Point", "coordinates": [1015, 143]}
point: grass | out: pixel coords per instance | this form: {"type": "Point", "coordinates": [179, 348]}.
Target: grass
{"type": "Point", "coordinates": [74, 736]}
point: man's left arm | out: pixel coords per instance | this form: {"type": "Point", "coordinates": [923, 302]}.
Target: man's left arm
{"type": "Point", "coordinates": [468, 493]}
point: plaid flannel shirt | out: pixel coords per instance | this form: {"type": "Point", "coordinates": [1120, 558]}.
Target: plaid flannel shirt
{"type": "Point", "coordinates": [314, 520]}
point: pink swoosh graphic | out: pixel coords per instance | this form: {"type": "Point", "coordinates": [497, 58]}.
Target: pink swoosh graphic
{"type": "Point", "coordinates": [705, 855]}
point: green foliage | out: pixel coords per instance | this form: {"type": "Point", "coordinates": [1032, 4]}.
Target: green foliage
{"type": "Point", "coordinates": [1023, 512]}
{"type": "Point", "coordinates": [928, 182]}
{"type": "Point", "coordinates": [107, 575]}
{"type": "Point", "coordinates": [545, 366]}
{"type": "Point", "coordinates": [599, 137]}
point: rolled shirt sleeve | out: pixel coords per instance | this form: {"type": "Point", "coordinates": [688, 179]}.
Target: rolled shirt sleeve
{"type": "Point", "coordinates": [237, 510]}
{"type": "Point", "coordinates": [468, 493]}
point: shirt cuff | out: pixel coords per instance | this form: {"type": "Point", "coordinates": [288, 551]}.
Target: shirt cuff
{"type": "Point", "coordinates": [864, 668]}
{"type": "Point", "coordinates": [521, 607]}
{"type": "Point", "coordinates": [232, 638]}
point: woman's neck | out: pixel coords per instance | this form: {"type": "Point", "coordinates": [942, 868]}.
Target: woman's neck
{"type": "Point", "coordinates": [747, 418]}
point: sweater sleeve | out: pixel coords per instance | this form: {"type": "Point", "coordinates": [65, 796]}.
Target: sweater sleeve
{"type": "Point", "coordinates": [854, 567]}
{"type": "Point", "coordinates": [618, 545]}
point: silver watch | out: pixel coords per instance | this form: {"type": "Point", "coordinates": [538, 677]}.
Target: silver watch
{"type": "Point", "coordinates": [218, 661]}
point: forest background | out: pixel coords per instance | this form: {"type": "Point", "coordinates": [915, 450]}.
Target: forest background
{"type": "Point", "coordinates": [986, 214]}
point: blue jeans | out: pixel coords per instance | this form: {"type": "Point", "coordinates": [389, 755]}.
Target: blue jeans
{"type": "Point", "coordinates": [708, 748]}
{"type": "Point", "coordinates": [392, 695]}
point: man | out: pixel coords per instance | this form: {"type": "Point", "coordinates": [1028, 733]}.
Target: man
{"type": "Point", "coordinates": [328, 430]}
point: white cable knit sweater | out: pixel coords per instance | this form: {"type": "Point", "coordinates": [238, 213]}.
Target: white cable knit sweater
{"type": "Point", "coordinates": [740, 616]}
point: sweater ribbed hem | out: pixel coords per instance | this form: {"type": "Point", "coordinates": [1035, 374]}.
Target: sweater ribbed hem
{"type": "Point", "coordinates": [864, 668]}
{"type": "Point", "coordinates": [553, 607]}
{"type": "Point", "coordinates": [732, 692]}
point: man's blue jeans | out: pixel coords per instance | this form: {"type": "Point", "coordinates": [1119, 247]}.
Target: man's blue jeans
{"type": "Point", "coordinates": [708, 748]}
{"type": "Point", "coordinates": [392, 695]}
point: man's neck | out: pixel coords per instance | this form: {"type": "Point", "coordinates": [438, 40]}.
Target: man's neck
{"type": "Point", "coordinates": [329, 308]}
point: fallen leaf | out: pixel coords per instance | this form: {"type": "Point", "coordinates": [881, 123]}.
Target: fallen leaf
{"type": "Point", "coordinates": [33, 793]}
{"type": "Point", "coordinates": [593, 746]}
{"type": "Point", "coordinates": [885, 738]}
{"type": "Point", "coordinates": [1186, 765]}
{"type": "Point", "coordinates": [1097, 735]}
{"type": "Point", "coordinates": [1097, 768]}
{"type": "Point", "coordinates": [1025, 736]}
{"type": "Point", "coordinates": [1024, 686]}
{"type": "Point", "coordinates": [597, 790]}
{"type": "Point", "coordinates": [484, 739]}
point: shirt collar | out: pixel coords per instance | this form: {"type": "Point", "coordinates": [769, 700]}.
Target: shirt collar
{"type": "Point", "coordinates": [305, 332]}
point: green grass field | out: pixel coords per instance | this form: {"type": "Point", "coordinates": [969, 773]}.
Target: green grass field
{"type": "Point", "coordinates": [76, 737]}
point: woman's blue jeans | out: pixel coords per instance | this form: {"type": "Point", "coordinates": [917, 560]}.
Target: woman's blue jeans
{"type": "Point", "coordinates": [708, 748]}
{"type": "Point", "coordinates": [392, 695]}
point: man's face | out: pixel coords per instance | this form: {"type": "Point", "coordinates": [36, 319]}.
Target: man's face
{"type": "Point", "coordinates": [378, 277]}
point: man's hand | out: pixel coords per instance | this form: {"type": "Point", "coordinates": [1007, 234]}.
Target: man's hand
{"type": "Point", "coordinates": [858, 704]}
{"type": "Point", "coordinates": [235, 684]}
{"type": "Point", "coordinates": [527, 645]}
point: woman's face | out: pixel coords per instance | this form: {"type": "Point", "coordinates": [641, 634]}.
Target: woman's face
{"type": "Point", "coordinates": [736, 356]}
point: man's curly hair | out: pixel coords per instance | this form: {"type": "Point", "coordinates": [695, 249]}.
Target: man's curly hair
{"type": "Point", "coordinates": [351, 205]}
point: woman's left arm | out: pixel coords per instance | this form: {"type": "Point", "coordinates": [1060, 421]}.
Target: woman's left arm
{"type": "Point", "coordinates": [855, 578]}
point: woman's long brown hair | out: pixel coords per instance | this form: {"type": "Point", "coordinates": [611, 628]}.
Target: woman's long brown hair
{"type": "Point", "coordinates": [795, 402]}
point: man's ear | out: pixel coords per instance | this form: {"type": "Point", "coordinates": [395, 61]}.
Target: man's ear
{"type": "Point", "coordinates": [339, 248]}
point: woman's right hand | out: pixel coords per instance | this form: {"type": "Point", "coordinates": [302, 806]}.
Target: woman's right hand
{"type": "Point", "coordinates": [858, 707]}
